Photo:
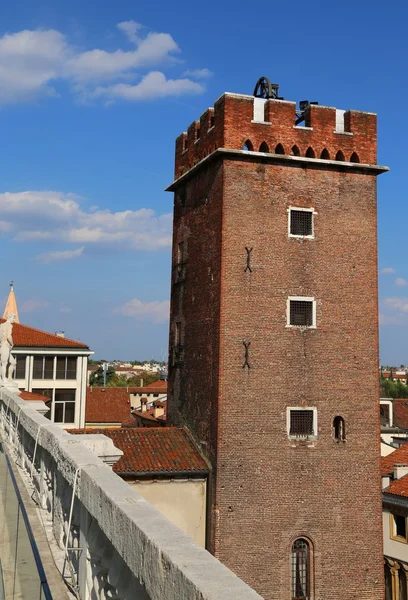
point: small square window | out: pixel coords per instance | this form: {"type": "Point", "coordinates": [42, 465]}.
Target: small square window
{"type": "Point", "coordinates": [301, 312]}
{"type": "Point", "coordinates": [302, 423]}
{"type": "Point", "coordinates": [398, 528]}
{"type": "Point", "coordinates": [301, 222]}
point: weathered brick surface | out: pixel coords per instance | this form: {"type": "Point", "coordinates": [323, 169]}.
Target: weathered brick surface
{"type": "Point", "coordinates": [267, 489]}
{"type": "Point", "coordinates": [232, 116]}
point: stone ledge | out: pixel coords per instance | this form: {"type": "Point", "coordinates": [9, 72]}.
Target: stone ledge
{"type": "Point", "coordinates": [164, 560]}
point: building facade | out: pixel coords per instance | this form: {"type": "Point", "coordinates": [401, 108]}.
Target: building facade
{"type": "Point", "coordinates": [274, 288]}
{"type": "Point", "coordinates": [55, 367]}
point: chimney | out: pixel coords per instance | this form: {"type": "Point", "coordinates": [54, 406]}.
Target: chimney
{"type": "Point", "coordinates": [60, 334]}
{"type": "Point", "coordinates": [158, 409]}
{"type": "Point", "coordinates": [141, 382]}
{"type": "Point", "coordinates": [143, 403]}
{"type": "Point", "coordinates": [385, 481]}
{"type": "Point", "coordinates": [400, 470]}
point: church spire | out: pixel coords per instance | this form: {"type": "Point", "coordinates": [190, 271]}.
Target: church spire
{"type": "Point", "coordinates": [11, 304]}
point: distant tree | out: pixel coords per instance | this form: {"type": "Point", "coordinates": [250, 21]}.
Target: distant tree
{"type": "Point", "coordinates": [392, 389]}
{"type": "Point", "coordinates": [97, 377]}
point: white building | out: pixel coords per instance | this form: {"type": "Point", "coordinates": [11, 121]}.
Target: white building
{"type": "Point", "coordinates": [51, 365]}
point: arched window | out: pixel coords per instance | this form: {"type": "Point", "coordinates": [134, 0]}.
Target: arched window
{"type": "Point", "coordinates": [295, 151]}
{"type": "Point", "coordinates": [248, 146]}
{"type": "Point", "coordinates": [264, 147]}
{"type": "Point", "coordinates": [354, 158]}
{"type": "Point", "coordinates": [279, 149]}
{"type": "Point", "coordinates": [325, 154]}
{"type": "Point", "coordinates": [340, 156]}
{"type": "Point", "coordinates": [339, 429]}
{"type": "Point", "coordinates": [310, 153]}
{"type": "Point", "coordinates": [301, 569]}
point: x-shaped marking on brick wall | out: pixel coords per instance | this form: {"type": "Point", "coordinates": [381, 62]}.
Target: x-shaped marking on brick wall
{"type": "Point", "coordinates": [246, 356]}
{"type": "Point", "coordinates": [248, 260]}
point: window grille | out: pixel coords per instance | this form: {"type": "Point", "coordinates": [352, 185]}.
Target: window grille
{"type": "Point", "coordinates": [301, 313]}
{"type": "Point", "coordinates": [301, 222]}
{"type": "Point", "coordinates": [300, 570]}
{"type": "Point", "coordinates": [301, 423]}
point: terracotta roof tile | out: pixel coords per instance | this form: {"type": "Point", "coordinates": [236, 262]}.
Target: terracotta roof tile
{"type": "Point", "coordinates": [399, 456]}
{"type": "Point", "coordinates": [398, 487]}
{"type": "Point", "coordinates": [160, 384]}
{"type": "Point", "coordinates": [33, 396]}
{"type": "Point", "coordinates": [24, 336]}
{"type": "Point", "coordinates": [107, 405]}
{"type": "Point", "coordinates": [153, 450]}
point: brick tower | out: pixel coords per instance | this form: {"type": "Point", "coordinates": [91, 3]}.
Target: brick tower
{"type": "Point", "coordinates": [274, 341]}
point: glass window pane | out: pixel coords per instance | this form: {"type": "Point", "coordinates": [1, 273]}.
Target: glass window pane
{"type": "Point", "coordinates": [20, 371]}
{"type": "Point", "coordinates": [48, 367]}
{"type": "Point", "coordinates": [71, 367]}
{"type": "Point", "coordinates": [69, 412]}
{"type": "Point", "coordinates": [60, 374]}
{"type": "Point", "coordinates": [59, 412]}
{"type": "Point", "coordinates": [38, 367]}
{"type": "Point", "coordinates": [64, 395]}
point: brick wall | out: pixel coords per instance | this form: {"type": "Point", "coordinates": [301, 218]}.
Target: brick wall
{"type": "Point", "coordinates": [267, 489]}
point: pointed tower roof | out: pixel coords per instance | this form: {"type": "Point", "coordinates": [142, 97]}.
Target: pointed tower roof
{"type": "Point", "coordinates": [11, 304]}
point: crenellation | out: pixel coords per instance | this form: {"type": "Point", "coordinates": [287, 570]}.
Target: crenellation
{"type": "Point", "coordinates": [237, 119]}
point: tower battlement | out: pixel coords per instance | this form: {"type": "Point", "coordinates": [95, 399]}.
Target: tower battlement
{"type": "Point", "coordinates": [244, 122]}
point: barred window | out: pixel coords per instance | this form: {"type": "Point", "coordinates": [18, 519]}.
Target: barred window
{"type": "Point", "coordinates": [301, 423]}
{"type": "Point", "coordinates": [301, 570]}
{"type": "Point", "coordinates": [301, 222]}
{"type": "Point", "coordinates": [301, 313]}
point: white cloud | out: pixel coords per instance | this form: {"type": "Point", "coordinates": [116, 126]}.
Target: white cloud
{"type": "Point", "coordinates": [198, 73]}
{"type": "Point", "coordinates": [34, 304]}
{"type": "Point", "coordinates": [33, 62]}
{"type": "Point", "coordinates": [397, 304]}
{"type": "Point", "coordinates": [156, 311]}
{"type": "Point", "coordinates": [130, 29]}
{"type": "Point", "coordinates": [401, 282]}
{"type": "Point", "coordinates": [387, 271]}
{"type": "Point", "coordinates": [59, 255]}
{"type": "Point", "coordinates": [39, 216]}
{"type": "Point", "coordinates": [153, 85]}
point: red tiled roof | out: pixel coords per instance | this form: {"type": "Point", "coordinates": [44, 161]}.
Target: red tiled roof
{"type": "Point", "coordinates": [153, 450]}
{"type": "Point", "coordinates": [398, 487]}
{"type": "Point", "coordinates": [160, 384]}
{"type": "Point", "coordinates": [32, 396]}
{"type": "Point", "coordinates": [24, 336]}
{"type": "Point", "coordinates": [134, 419]}
{"type": "Point", "coordinates": [107, 405]}
{"type": "Point", "coordinates": [399, 456]}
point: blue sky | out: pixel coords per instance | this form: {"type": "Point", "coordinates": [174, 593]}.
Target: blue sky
{"type": "Point", "coordinates": [92, 95]}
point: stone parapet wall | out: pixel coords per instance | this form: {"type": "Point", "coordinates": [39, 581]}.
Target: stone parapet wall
{"type": "Point", "coordinates": [107, 538]}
